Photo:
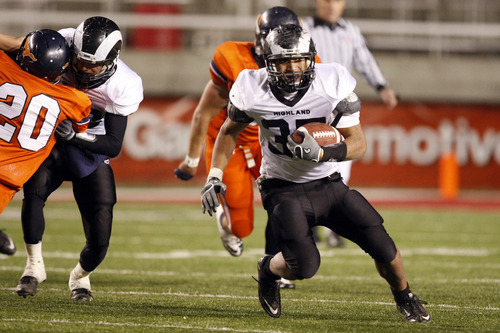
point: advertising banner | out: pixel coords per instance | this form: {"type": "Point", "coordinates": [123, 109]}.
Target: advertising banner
{"type": "Point", "coordinates": [409, 146]}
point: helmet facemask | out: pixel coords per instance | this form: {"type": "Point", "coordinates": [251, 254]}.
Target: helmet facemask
{"type": "Point", "coordinates": [288, 44]}
{"type": "Point", "coordinates": [93, 80]}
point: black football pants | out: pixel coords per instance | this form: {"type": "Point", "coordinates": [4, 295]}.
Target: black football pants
{"type": "Point", "coordinates": [94, 194]}
{"type": "Point", "coordinates": [293, 209]}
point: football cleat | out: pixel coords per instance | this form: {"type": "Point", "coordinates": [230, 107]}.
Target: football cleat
{"type": "Point", "coordinates": [33, 275]}
{"type": "Point", "coordinates": [233, 244]}
{"type": "Point", "coordinates": [81, 294]}
{"type": "Point", "coordinates": [7, 245]}
{"type": "Point", "coordinates": [269, 291]}
{"type": "Point", "coordinates": [286, 284]}
{"type": "Point", "coordinates": [27, 286]}
{"type": "Point", "coordinates": [413, 310]}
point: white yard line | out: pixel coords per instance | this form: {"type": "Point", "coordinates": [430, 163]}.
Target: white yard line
{"type": "Point", "coordinates": [251, 254]}
{"type": "Point", "coordinates": [132, 324]}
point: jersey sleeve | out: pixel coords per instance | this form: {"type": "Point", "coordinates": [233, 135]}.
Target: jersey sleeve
{"type": "Point", "coordinates": [238, 93]}
{"type": "Point", "coordinates": [348, 120]}
{"type": "Point", "coordinates": [126, 91]}
{"type": "Point", "coordinates": [229, 59]}
{"type": "Point", "coordinates": [347, 82]}
{"type": "Point", "coordinates": [339, 85]}
{"type": "Point", "coordinates": [79, 112]}
{"type": "Point", "coordinates": [218, 68]}
{"type": "Point", "coordinates": [68, 34]}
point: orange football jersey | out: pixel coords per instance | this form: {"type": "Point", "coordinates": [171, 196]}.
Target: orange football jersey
{"type": "Point", "coordinates": [30, 110]}
{"type": "Point", "coordinates": [229, 60]}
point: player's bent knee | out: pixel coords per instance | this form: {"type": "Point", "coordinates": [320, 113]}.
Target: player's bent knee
{"type": "Point", "coordinates": [306, 269]}
{"type": "Point", "coordinates": [302, 259]}
{"type": "Point", "coordinates": [242, 229]}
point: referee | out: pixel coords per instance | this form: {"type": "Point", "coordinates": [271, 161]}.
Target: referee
{"type": "Point", "coordinates": [339, 40]}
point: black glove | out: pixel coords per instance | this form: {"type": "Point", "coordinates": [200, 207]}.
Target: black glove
{"type": "Point", "coordinates": [209, 200]}
{"type": "Point", "coordinates": [182, 175]}
{"type": "Point", "coordinates": [65, 131]}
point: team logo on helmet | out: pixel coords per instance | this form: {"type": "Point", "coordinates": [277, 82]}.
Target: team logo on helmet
{"type": "Point", "coordinates": [27, 50]}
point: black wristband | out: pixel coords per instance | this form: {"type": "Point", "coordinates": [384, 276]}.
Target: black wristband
{"type": "Point", "coordinates": [336, 152]}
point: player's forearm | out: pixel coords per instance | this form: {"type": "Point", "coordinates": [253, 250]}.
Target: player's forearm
{"type": "Point", "coordinates": [10, 43]}
{"type": "Point", "coordinates": [109, 144]}
{"type": "Point", "coordinates": [199, 128]}
{"type": "Point", "coordinates": [356, 148]}
{"type": "Point", "coordinates": [355, 141]}
{"type": "Point", "coordinates": [211, 103]}
{"type": "Point", "coordinates": [223, 150]}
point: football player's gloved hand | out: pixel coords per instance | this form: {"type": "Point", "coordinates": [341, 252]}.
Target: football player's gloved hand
{"type": "Point", "coordinates": [182, 175]}
{"type": "Point", "coordinates": [309, 149]}
{"type": "Point", "coordinates": [65, 131]}
{"type": "Point", "coordinates": [209, 200]}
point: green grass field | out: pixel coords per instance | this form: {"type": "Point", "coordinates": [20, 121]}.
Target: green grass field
{"type": "Point", "coordinates": [166, 270]}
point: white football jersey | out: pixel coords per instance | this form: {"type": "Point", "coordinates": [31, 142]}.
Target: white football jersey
{"type": "Point", "coordinates": [121, 94]}
{"type": "Point", "coordinates": [251, 94]}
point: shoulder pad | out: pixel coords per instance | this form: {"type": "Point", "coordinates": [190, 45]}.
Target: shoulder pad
{"type": "Point", "coordinates": [237, 115]}
{"type": "Point", "coordinates": [349, 105]}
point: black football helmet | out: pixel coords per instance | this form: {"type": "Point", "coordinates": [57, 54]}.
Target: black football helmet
{"type": "Point", "coordinates": [97, 41]}
{"type": "Point", "coordinates": [284, 43]}
{"type": "Point", "coordinates": [44, 53]}
{"type": "Point", "coordinates": [270, 19]}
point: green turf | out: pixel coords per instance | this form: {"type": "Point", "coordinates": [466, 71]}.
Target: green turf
{"type": "Point", "coordinates": [166, 270]}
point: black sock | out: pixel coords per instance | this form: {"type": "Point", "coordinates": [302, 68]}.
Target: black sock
{"type": "Point", "coordinates": [267, 274]}
{"type": "Point", "coordinates": [403, 295]}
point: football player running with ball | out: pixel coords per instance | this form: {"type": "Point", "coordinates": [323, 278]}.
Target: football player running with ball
{"type": "Point", "coordinates": [229, 60]}
{"type": "Point", "coordinates": [299, 183]}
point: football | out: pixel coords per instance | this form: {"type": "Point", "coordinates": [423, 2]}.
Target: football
{"type": "Point", "coordinates": [324, 134]}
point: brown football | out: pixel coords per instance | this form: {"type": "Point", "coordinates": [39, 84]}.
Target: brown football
{"type": "Point", "coordinates": [324, 134]}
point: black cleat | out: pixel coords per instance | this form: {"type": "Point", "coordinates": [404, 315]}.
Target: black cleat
{"type": "Point", "coordinates": [27, 286]}
{"type": "Point", "coordinates": [269, 291]}
{"type": "Point", "coordinates": [81, 294]}
{"type": "Point", "coordinates": [7, 245]}
{"type": "Point", "coordinates": [413, 310]}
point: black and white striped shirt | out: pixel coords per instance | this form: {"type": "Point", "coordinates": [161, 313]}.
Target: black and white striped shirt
{"type": "Point", "coordinates": [343, 43]}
